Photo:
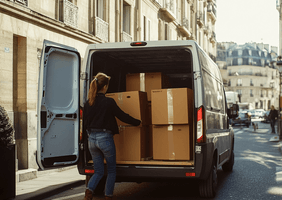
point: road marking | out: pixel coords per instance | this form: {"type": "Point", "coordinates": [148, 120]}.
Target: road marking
{"type": "Point", "coordinates": [277, 190]}
{"type": "Point", "coordinates": [278, 174]}
{"type": "Point", "coordinates": [70, 196]}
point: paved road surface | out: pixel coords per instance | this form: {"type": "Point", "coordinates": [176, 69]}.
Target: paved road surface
{"type": "Point", "coordinates": [257, 174]}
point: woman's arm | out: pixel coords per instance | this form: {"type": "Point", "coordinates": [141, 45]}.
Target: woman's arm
{"type": "Point", "coordinates": [121, 115]}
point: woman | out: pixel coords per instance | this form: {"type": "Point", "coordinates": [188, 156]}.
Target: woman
{"type": "Point", "coordinates": [100, 124]}
{"type": "Point", "coordinates": [273, 115]}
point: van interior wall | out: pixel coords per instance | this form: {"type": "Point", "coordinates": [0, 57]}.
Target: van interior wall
{"type": "Point", "coordinates": [175, 64]}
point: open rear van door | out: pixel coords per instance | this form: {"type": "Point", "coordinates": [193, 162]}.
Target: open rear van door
{"type": "Point", "coordinates": [58, 106]}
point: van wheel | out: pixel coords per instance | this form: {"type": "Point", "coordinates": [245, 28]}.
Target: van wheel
{"type": "Point", "coordinates": [228, 166]}
{"type": "Point", "coordinates": [207, 188]}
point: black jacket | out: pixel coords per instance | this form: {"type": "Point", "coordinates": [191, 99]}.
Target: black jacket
{"type": "Point", "coordinates": [101, 115]}
{"type": "Point", "coordinates": [273, 114]}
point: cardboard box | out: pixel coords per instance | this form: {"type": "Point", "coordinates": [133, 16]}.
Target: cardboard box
{"type": "Point", "coordinates": [171, 142]}
{"type": "Point", "coordinates": [172, 106]}
{"type": "Point", "coordinates": [133, 103]}
{"type": "Point", "coordinates": [146, 82]}
{"type": "Point", "coordinates": [131, 143]}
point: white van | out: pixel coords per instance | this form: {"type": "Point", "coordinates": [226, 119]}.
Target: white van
{"type": "Point", "coordinates": [63, 87]}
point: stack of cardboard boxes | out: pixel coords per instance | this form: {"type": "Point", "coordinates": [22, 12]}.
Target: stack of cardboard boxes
{"type": "Point", "coordinates": [172, 118]}
{"type": "Point", "coordinates": [166, 116]}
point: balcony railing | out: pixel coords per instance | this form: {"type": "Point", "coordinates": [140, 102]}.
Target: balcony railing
{"type": "Point", "coordinates": [126, 37]}
{"type": "Point", "coordinates": [101, 29]}
{"type": "Point", "coordinates": [168, 9]}
{"type": "Point", "coordinates": [22, 2]}
{"type": "Point", "coordinates": [200, 18]}
{"type": "Point", "coordinates": [212, 10]}
{"type": "Point", "coordinates": [247, 74]}
{"type": "Point", "coordinates": [184, 27]}
{"type": "Point", "coordinates": [69, 13]}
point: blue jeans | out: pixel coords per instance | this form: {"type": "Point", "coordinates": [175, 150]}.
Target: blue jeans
{"type": "Point", "coordinates": [101, 145]}
{"type": "Point", "coordinates": [272, 123]}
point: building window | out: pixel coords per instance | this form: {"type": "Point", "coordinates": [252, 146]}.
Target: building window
{"type": "Point", "coordinates": [240, 52]}
{"type": "Point", "coordinates": [229, 82]}
{"type": "Point", "coordinates": [126, 18]}
{"type": "Point", "coordinates": [240, 61]}
{"type": "Point", "coordinates": [239, 82]}
{"type": "Point", "coordinates": [229, 72]}
{"type": "Point", "coordinates": [22, 2]}
{"type": "Point", "coordinates": [100, 9]}
{"type": "Point", "coordinates": [145, 27]}
{"type": "Point", "coordinates": [250, 61]}
{"type": "Point", "coordinates": [66, 11]}
{"type": "Point", "coordinates": [251, 93]}
{"type": "Point", "coordinates": [250, 52]}
{"type": "Point", "coordinates": [251, 82]}
{"type": "Point", "coordinates": [167, 32]}
{"type": "Point", "coordinates": [230, 53]}
{"type": "Point", "coordinates": [262, 62]}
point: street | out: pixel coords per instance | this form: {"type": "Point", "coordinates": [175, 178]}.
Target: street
{"type": "Point", "coordinates": [257, 174]}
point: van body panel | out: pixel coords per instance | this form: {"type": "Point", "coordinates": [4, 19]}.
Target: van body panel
{"type": "Point", "coordinates": [187, 65]}
{"type": "Point", "coordinates": [58, 103]}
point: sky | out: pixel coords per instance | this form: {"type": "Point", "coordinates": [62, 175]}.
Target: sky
{"type": "Point", "coordinates": [243, 21]}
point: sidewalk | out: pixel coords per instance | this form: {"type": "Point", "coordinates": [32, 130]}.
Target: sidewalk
{"type": "Point", "coordinates": [48, 183]}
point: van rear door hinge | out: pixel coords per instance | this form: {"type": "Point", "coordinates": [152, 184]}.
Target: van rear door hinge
{"type": "Point", "coordinates": [83, 76]}
{"type": "Point", "coordinates": [197, 75]}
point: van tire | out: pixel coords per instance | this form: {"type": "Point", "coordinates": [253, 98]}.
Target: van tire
{"type": "Point", "coordinates": [207, 188]}
{"type": "Point", "coordinates": [228, 166]}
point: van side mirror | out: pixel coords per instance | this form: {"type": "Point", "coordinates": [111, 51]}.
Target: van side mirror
{"type": "Point", "coordinates": [233, 111]}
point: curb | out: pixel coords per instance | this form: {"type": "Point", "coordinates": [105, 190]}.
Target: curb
{"type": "Point", "coordinates": [48, 192]}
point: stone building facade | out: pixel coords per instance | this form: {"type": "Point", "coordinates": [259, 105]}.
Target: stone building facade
{"type": "Point", "coordinates": [279, 7]}
{"type": "Point", "coordinates": [250, 70]}
{"type": "Point", "coordinates": [24, 24]}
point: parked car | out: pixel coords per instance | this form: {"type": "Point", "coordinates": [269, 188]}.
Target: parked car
{"type": "Point", "coordinates": [244, 118]}
{"type": "Point", "coordinates": [265, 117]}
{"type": "Point", "coordinates": [259, 113]}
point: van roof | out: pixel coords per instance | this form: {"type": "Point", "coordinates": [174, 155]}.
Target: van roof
{"type": "Point", "coordinates": [157, 43]}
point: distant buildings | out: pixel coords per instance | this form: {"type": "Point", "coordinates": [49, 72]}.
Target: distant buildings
{"type": "Point", "coordinates": [250, 70]}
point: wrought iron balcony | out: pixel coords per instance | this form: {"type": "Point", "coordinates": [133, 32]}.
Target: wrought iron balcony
{"type": "Point", "coordinates": [101, 29]}
{"type": "Point", "coordinates": [213, 39]}
{"type": "Point", "coordinates": [126, 37]}
{"type": "Point", "coordinates": [22, 2]}
{"type": "Point", "coordinates": [200, 18]}
{"type": "Point", "coordinates": [212, 11]}
{"type": "Point", "coordinates": [184, 27]}
{"type": "Point", "coordinates": [168, 9]}
{"type": "Point", "coordinates": [68, 13]}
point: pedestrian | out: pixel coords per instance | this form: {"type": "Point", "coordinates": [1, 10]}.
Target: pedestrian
{"type": "Point", "coordinates": [273, 115]}
{"type": "Point", "coordinates": [99, 121]}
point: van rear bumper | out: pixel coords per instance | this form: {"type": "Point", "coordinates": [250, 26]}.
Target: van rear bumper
{"type": "Point", "coordinates": [147, 173]}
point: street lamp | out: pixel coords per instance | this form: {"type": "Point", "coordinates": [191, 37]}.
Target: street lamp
{"type": "Point", "coordinates": [279, 66]}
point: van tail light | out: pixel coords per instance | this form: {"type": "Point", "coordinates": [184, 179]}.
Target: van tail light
{"type": "Point", "coordinates": [200, 129]}
{"type": "Point", "coordinates": [89, 171]}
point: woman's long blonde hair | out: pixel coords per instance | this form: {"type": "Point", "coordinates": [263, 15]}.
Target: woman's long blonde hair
{"type": "Point", "coordinates": [98, 82]}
